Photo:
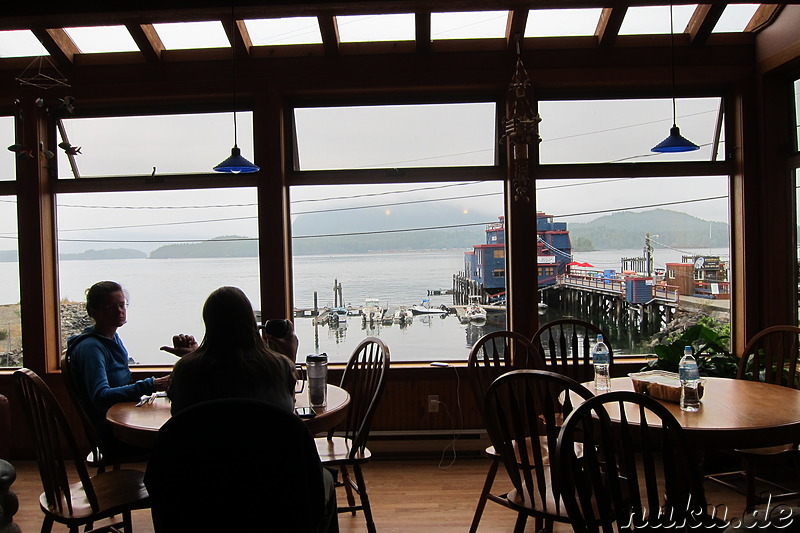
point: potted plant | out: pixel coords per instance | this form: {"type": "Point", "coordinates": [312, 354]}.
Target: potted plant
{"type": "Point", "coordinates": [710, 348]}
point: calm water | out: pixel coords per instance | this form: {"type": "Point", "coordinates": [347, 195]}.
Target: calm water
{"type": "Point", "coordinates": [166, 297]}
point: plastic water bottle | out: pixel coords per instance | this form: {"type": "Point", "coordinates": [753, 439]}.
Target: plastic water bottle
{"type": "Point", "coordinates": [600, 362]}
{"type": "Point", "coordinates": [317, 370]}
{"type": "Point", "coordinates": [690, 379]}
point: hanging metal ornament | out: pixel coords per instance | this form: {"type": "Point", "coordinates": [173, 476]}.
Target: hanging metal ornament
{"type": "Point", "coordinates": [520, 130]}
{"type": "Point", "coordinates": [41, 75]}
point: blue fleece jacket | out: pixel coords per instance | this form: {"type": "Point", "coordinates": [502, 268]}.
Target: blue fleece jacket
{"type": "Point", "coordinates": [102, 377]}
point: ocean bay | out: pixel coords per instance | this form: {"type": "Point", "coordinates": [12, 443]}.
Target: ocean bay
{"type": "Point", "coordinates": [167, 295]}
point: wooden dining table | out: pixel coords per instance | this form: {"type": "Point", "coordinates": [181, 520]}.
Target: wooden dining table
{"type": "Point", "coordinates": [139, 425]}
{"type": "Point", "coordinates": [734, 413]}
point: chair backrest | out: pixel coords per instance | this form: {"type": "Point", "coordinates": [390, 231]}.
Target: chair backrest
{"type": "Point", "coordinates": [525, 410]}
{"type": "Point", "coordinates": [364, 379]}
{"type": "Point", "coordinates": [771, 357]}
{"type": "Point", "coordinates": [629, 467]}
{"type": "Point", "coordinates": [234, 465]}
{"type": "Point", "coordinates": [496, 353]}
{"type": "Point", "coordinates": [91, 434]}
{"type": "Point", "coordinates": [566, 347]}
{"type": "Point", "coordinates": [53, 442]}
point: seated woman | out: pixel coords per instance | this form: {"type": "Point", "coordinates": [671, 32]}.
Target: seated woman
{"type": "Point", "coordinates": [98, 362]}
{"type": "Point", "coordinates": [234, 361]}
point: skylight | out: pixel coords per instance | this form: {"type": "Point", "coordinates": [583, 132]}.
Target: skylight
{"type": "Point", "coordinates": [366, 28]}
{"type": "Point", "coordinates": [20, 43]}
{"type": "Point", "coordinates": [99, 39]}
{"type": "Point", "coordinates": [184, 35]}
{"type": "Point", "coordinates": [648, 20]}
{"type": "Point", "coordinates": [562, 22]}
{"type": "Point", "coordinates": [294, 30]}
{"type": "Point", "coordinates": [469, 25]}
{"type": "Point", "coordinates": [735, 18]}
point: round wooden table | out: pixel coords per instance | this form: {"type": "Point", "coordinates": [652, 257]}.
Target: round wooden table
{"type": "Point", "coordinates": [139, 425]}
{"type": "Point", "coordinates": [735, 413]}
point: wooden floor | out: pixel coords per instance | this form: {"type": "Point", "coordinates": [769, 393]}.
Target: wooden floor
{"type": "Point", "coordinates": [406, 495]}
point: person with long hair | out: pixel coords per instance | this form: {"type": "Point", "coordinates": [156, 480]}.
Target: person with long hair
{"type": "Point", "coordinates": [99, 361]}
{"type": "Point", "coordinates": [233, 360]}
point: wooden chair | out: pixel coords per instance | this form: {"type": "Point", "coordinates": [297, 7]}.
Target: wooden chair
{"type": "Point", "coordinates": [95, 458]}
{"type": "Point", "coordinates": [364, 379]}
{"type": "Point", "coordinates": [631, 474]}
{"type": "Point", "coordinates": [524, 413]}
{"type": "Point", "coordinates": [566, 346]}
{"type": "Point", "coordinates": [491, 356]}
{"type": "Point", "coordinates": [771, 356]}
{"type": "Point", "coordinates": [91, 498]}
{"type": "Point", "coordinates": [235, 465]}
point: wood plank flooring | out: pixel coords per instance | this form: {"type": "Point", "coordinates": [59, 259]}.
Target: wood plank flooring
{"type": "Point", "coordinates": [406, 495]}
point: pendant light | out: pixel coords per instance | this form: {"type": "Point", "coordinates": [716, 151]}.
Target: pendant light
{"type": "Point", "coordinates": [235, 164]}
{"type": "Point", "coordinates": [675, 142]}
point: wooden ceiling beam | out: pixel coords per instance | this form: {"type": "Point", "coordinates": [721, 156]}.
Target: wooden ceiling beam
{"type": "Point", "coordinates": [422, 31]}
{"type": "Point", "coordinates": [330, 33]}
{"type": "Point", "coordinates": [58, 44]}
{"type": "Point", "coordinates": [239, 37]}
{"type": "Point", "coordinates": [702, 23]}
{"type": "Point", "coordinates": [763, 17]}
{"type": "Point", "coordinates": [146, 38]}
{"type": "Point", "coordinates": [515, 29]}
{"type": "Point", "coordinates": [609, 24]}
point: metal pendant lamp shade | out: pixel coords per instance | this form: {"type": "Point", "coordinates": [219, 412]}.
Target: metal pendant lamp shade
{"type": "Point", "coordinates": [236, 164]}
{"type": "Point", "coordinates": [675, 143]}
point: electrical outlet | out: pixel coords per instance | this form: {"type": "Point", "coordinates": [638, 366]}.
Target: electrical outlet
{"type": "Point", "coordinates": [433, 403]}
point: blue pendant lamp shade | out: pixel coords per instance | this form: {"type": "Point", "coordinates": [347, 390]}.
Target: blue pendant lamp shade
{"type": "Point", "coordinates": [236, 164]}
{"type": "Point", "coordinates": [675, 143]}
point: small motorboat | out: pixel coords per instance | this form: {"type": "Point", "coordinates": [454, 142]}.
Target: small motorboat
{"type": "Point", "coordinates": [403, 315]}
{"type": "Point", "coordinates": [473, 312]}
{"type": "Point", "coordinates": [424, 308]}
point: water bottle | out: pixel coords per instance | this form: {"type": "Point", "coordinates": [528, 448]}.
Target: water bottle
{"type": "Point", "coordinates": [317, 372]}
{"type": "Point", "coordinates": [600, 362]}
{"type": "Point", "coordinates": [690, 379]}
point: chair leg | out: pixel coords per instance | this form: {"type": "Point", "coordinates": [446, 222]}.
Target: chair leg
{"type": "Point", "coordinates": [348, 488]}
{"type": "Point", "coordinates": [750, 482]}
{"type": "Point", "coordinates": [127, 522]}
{"type": "Point", "coordinates": [47, 524]}
{"type": "Point", "coordinates": [362, 492]}
{"type": "Point", "coordinates": [519, 526]}
{"type": "Point", "coordinates": [487, 487]}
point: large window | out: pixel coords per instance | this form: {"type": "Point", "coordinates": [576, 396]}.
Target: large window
{"type": "Point", "coordinates": [650, 231]}
{"type": "Point", "coordinates": [169, 250]}
{"type": "Point", "coordinates": [396, 136]}
{"type": "Point", "coordinates": [382, 252]}
{"type": "Point", "coordinates": [396, 247]}
{"type": "Point", "coordinates": [143, 145]}
{"type": "Point", "coordinates": [10, 330]}
{"type": "Point", "coordinates": [624, 131]}
{"type": "Point", "coordinates": [7, 163]}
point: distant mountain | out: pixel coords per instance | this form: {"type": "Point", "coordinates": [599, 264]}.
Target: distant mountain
{"type": "Point", "coordinates": [627, 229]}
{"type": "Point", "coordinates": [108, 253]}
{"type": "Point", "coordinates": [358, 227]}
{"type": "Point", "coordinates": [376, 230]}
{"type": "Point", "coordinates": [223, 246]}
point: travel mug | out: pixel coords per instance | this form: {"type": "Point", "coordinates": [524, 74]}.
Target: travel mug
{"type": "Point", "coordinates": [317, 372]}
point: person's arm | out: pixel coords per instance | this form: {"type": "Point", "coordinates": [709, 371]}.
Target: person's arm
{"type": "Point", "coordinates": [182, 344]}
{"type": "Point", "coordinates": [287, 345]}
{"type": "Point", "coordinates": [106, 380]}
